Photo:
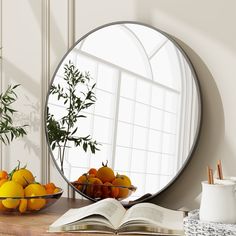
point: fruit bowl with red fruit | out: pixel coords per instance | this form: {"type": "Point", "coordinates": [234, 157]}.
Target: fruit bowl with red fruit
{"type": "Point", "coordinates": [103, 183]}
{"type": "Point", "coordinates": [19, 192]}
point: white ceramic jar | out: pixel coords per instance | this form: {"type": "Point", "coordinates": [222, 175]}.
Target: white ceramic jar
{"type": "Point", "coordinates": [218, 202]}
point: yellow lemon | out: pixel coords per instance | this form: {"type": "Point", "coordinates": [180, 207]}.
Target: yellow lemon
{"type": "Point", "coordinates": [2, 208]}
{"type": "Point", "coordinates": [35, 190]}
{"type": "Point", "coordinates": [23, 205]}
{"type": "Point", "coordinates": [56, 190]}
{"type": "Point", "coordinates": [23, 177]}
{"type": "Point", "coordinates": [2, 181]}
{"type": "Point", "coordinates": [11, 189]}
{"type": "Point", "coordinates": [126, 178]}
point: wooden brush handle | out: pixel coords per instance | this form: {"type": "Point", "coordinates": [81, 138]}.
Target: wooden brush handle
{"type": "Point", "coordinates": [208, 175]}
{"type": "Point", "coordinates": [219, 168]}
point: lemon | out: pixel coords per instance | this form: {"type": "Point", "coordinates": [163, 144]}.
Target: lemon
{"type": "Point", "coordinates": [2, 208]}
{"type": "Point", "coordinates": [56, 190]}
{"type": "Point", "coordinates": [23, 205]}
{"type": "Point", "coordinates": [127, 179]}
{"type": "Point", "coordinates": [23, 177]}
{"type": "Point", "coordinates": [11, 189]}
{"type": "Point", "coordinates": [35, 190]}
{"type": "Point", "coordinates": [2, 181]}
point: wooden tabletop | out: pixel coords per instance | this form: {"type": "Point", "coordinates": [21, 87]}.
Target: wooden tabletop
{"type": "Point", "coordinates": [37, 223]}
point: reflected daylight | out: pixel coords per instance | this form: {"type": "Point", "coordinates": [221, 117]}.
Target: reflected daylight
{"type": "Point", "coordinates": [137, 107]}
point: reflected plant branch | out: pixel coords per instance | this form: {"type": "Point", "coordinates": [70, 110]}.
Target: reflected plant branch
{"type": "Point", "coordinates": [63, 132]}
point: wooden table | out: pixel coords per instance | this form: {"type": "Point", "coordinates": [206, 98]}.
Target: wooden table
{"type": "Point", "coordinates": [37, 223]}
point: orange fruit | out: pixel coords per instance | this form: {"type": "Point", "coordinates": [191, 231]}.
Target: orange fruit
{"type": "Point", "coordinates": [106, 190]}
{"type": "Point", "coordinates": [97, 193]}
{"type": "Point", "coordinates": [35, 190]}
{"type": "Point", "coordinates": [81, 180]}
{"type": "Point", "coordinates": [97, 189]}
{"type": "Point", "coordinates": [11, 189]}
{"type": "Point", "coordinates": [91, 176]}
{"type": "Point", "coordinates": [92, 171]}
{"type": "Point", "coordinates": [50, 187]}
{"type": "Point", "coordinates": [120, 181]}
{"type": "Point", "coordinates": [94, 188]}
{"type": "Point", "coordinates": [3, 174]}
{"type": "Point", "coordinates": [115, 192]}
{"type": "Point", "coordinates": [23, 177]}
{"type": "Point", "coordinates": [109, 190]}
{"type": "Point", "coordinates": [50, 190]}
{"type": "Point", "coordinates": [105, 174]}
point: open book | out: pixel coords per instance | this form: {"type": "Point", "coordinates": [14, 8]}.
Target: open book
{"type": "Point", "coordinates": [109, 216]}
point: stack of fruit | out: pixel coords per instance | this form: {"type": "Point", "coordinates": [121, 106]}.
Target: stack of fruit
{"type": "Point", "coordinates": [18, 190]}
{"type": "Point", "coordinates": [103, 183]}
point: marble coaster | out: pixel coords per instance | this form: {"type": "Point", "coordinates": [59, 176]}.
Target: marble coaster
{"type": "Point", "coordinates": [195, 227]}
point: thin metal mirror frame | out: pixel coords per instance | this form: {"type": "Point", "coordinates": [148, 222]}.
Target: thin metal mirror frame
{"type": "Point", "coordinates": [146, 197]}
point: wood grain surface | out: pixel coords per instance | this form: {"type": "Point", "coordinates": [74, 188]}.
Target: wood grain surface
{"type": "Point", "coordinates": [37, 223]}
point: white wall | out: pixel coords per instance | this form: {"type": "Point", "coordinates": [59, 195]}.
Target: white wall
{"type": "Point", "coordinates": [35, 37]}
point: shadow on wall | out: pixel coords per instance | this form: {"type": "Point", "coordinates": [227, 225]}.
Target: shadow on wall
{"type": "Point", "coordinates": [187, 188]}
{"type": "Point", "coordinates": [32, 111]}
{"type": "Point", "coordinates": [58, 45]}
{"type": "Point", "coordinates": [33, 117]}
{"type": "Point", "coordinates": [185, 14]}
{"type": "Point", "coordinates": [168, 15]}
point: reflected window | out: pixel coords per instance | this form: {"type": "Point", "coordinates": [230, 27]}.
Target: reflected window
{"type": "Point", "coordinates": [141, 117]}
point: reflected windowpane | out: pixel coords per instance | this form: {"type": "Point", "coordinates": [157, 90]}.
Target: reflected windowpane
{"type": "Point", "coordinates": [128, 86]}
{"type": "Point", "coordinates": [124, 134]}
{"type": "Point", "coordinates": [141, 115]}
{"type": "Point", "coordinates": [126, 110]}
{"type": "Point", "coordinates": [140, 137]}
{"type": "Point", "coordinates": [138, 163]}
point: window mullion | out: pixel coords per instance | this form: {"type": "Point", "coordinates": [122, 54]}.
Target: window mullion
{"type": "Point", "coordinates": [93, 113]}
{"type": "Point", "coordinates": [116, 115]}
{"type": "Point", "coordinates": [132, 131]}
{"type": "Point", "coordinates": [157, 49]}
{"type": "Point", "coordinates": [148, 134]}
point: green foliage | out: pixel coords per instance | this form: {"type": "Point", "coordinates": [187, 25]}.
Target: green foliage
{"type": "Point", "coordinates": [8, 131]}
{"type": "Point", "coordinates": [63, 132]}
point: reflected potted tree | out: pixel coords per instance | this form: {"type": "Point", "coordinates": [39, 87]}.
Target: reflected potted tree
{"type": "Point", "coordinates": [63, 132]}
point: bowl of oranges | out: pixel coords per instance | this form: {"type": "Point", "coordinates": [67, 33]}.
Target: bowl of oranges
{"type": "Point", "coordinates": [102, 183]}
{"type": "Point", "coordinates": [19, 192]}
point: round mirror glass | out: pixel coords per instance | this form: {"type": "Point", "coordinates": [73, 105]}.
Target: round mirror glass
{"type": "Point", "coordinates": [125, 95]}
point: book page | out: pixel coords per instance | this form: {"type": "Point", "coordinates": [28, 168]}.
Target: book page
{"type": "Point", "coordinates": [155, 215]}
{"type": "Point", "coordinates": [109, 208]}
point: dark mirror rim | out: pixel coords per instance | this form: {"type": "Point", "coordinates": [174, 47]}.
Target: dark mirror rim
{"type": "Point", "coordinates": [147, 196]}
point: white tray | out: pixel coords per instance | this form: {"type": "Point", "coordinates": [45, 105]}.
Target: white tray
{"type": "Point", "coordinates": [194, 227]}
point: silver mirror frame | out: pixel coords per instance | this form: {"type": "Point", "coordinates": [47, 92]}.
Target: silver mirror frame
{"type": "Point", "coordinates": [147, 196]}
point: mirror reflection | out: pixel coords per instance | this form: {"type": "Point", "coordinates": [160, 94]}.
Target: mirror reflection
{"type": "Point", "coordinates": [136, 106]}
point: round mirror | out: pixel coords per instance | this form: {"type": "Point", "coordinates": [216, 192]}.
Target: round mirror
{"type": "Point", "coordinates": [125, 95]}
